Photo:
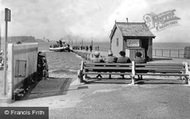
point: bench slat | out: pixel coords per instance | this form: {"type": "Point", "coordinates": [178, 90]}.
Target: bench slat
{"type": "Point", "coordinates": [107, 64]}
{"type": "Point", "coordinates": [107, 73]}
{"type": "Point", "coordinates": [162, 74]}
{"type": "Point", "coordinates": [160, 64]}
{"type": "Point", "coordinates": [159, 69]}
{"type": "Point", "coordinates": [108, 68]}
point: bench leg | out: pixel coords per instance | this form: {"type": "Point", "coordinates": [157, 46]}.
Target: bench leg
{"type": "Point", "coordinates": [84, 80]}
{"type": "Point", "coordinates": [79, 73]}
{"type": "Point", "coordinates": [109, 76]}
{"type": "Point", "coordinates": [132, 80]}
{"type": "Point", "coordinates": [188, 81]}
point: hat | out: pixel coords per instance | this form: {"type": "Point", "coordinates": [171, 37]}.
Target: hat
{"type": "Point", "coordinates": [122, 53]}
{"type": "Point", "coordinates": [96, 53]}
{"type": "Point", "coordinates": [110, 53]}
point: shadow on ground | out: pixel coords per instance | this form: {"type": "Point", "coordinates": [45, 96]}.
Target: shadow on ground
{"type": "Point", "coordinates": [51, 87]}
{"type": "Point", "coordinates": [140, 82]}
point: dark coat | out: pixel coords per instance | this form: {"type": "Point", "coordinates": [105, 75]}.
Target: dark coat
{"type": "Point", "coordinates": [123, 60]}
{"type": "Point", "coordinates": [139, 60]}
{"type": "Point", "coordinates": [111, 59]}
{"type": "Point", "coordinates": [97, 60]}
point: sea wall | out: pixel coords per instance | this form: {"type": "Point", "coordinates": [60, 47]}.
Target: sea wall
{"type": "Point", "coordinates": [22, 65]}
{"type": "Point", "coordinates": [88, 55]}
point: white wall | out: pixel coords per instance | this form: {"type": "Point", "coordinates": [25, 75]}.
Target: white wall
{"type": "Point", "coordinates": [116, 49]}
{"type": "Point", "coordinates": [26, 52]}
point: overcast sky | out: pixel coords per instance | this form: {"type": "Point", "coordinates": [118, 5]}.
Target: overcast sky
{"type": "Point", "coordinates": [54, 19]}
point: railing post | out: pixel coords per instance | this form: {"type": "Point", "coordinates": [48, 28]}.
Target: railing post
{"type": "Point", "coordinates": [178, 53]}
{"type": "Point", "coordinates": [170, 53]}
{"type": "Point", "coordinates": [155, 52]}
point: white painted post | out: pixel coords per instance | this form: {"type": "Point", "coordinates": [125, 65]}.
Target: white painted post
{"type": "Point", "coordinates": [7, 19]}
{"type": "Point", "coordinates": [10, 74]}
{"type": "Point", "coordinates": [187, 72]}
{"type": "Point", "coordinates": [133, 73]}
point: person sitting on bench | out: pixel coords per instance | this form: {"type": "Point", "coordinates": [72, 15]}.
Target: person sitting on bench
{"type": "Point", "coordinates": [123, 59]}
{"type": "Point", "coordinates": [138, 59]}
{"type": "Point", "coordinates": [97, 59]}
{"type": "Point", "coordinates": [110, 59]}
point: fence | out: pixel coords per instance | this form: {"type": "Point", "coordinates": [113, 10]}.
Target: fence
{"type": "Point", "coordinates": [171, 53]}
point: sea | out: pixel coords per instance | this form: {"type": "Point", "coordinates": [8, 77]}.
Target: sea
{"type": "Point", "coordinates": [61, 64]}
{"type": "Point", "coordinates": [66, 64]}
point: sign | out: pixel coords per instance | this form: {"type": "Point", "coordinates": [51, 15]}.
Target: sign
{"type": "Point", "coordinates": [133, 43]}
{"type": "Point", "coordinates": [162, 20]}
{"type": "Point", "coordinates": [7, 14]}
{"type": "Point", "coordinates": [24, 112]}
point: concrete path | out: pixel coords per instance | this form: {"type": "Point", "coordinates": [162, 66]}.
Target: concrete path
{"type": "Point", "coordinates": [155, 99]}
{"type": "Point", "coordinates": [115, 99]}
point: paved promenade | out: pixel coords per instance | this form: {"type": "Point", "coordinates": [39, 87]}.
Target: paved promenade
{"type": "Point", "coordinates": [160, 98]}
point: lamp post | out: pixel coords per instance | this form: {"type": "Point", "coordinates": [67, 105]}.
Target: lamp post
{"type": "Point", "coordinates": [7, 19]}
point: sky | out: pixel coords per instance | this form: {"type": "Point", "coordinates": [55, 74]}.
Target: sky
{"type": "Point", "coordinates": [90, 19]}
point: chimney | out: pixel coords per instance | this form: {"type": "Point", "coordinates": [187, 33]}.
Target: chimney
{"type": "Point", "coordinates": [127, 19]}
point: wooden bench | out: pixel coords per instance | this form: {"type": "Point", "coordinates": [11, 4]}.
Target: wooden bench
{"type": "Point", "coordinates": [133, 69]}
{"type": "Point", "coordinates": [162, 69]}
{"type": "Point", "coordinates": [103, 69]}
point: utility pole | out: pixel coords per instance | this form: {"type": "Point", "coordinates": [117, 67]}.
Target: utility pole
{"type": "Point", "coordinates": [0, 37]}
{"type": "Point", "coordinates": [7, 19]}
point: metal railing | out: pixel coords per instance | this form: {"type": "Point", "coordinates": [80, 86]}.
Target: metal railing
{"type": "Point", "coordinates": [171, 53]}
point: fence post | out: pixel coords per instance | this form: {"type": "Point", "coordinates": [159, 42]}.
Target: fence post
{"type": "Point", "coordinates": [178, 53]}
{"type": "Point", "coordinates": [162, 52]}
{"type": "Point", "coordinates": [170, 53]}
{"type": "Point", "coordinates": [155, 52]}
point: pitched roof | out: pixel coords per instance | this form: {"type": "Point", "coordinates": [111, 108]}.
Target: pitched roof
{"type": "Point", "coordinates": [136, 29]}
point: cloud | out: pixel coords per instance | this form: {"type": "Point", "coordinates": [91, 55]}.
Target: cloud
{"type": "Point", "coordinates": [54, 19]}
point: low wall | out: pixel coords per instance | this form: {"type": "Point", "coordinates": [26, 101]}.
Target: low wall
{"type": "Point", "coordinates": [22, 63]}
{"type": "Point", "coordinates": [88, 55]}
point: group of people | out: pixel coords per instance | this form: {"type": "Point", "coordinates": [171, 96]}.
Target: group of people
{"type": "Point", "coordinates": [90, 48]}
{"type": "Point", "coordinates": [121, 59]}
{"type": "Point", "coordinates": [42, 66]}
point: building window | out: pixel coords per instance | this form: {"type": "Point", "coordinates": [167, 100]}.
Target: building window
{"type": "Point", "coordinates": [133, 43]}
{"type": "Point", "coordinates": [117, 42]}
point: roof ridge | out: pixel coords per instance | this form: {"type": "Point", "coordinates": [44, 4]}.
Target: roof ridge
{"type": "Point", "coordinates": [130, 22]}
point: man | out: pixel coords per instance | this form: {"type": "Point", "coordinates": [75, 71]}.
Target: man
{"type": "Point", "coordinates": [90, 48]}
{"type": "Point", "coordinates": [97, 59]}
{"type": "Point", "coordinates": [123, 59]}
{"type": "Point", "coordinates": [111, 59]}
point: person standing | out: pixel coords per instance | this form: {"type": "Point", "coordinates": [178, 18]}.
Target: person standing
{"type": "Point", "coordinates": [90, 48]}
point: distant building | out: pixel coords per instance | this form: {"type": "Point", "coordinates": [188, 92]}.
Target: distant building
{"type": "Point", "coordinates": [22, 39]}
{"type": "Point", "coordinates": [131, 37]}
{"type": "Point", "coordinates": [25, 39]}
